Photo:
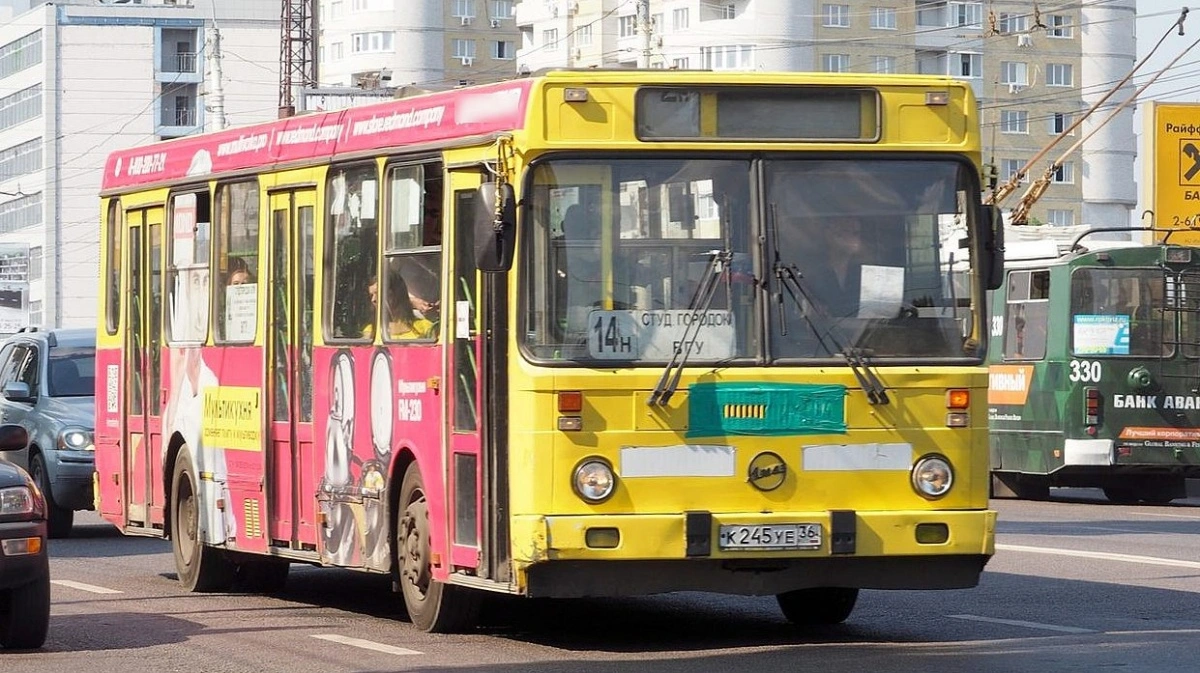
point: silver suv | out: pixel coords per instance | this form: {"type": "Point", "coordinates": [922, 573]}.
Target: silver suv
{"type": "Point", "coordinates": [47, 385]}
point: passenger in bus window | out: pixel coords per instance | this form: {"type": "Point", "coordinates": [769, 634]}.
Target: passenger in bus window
{"type": "Point", "coordinates": [400, 314]}
{"type": "Point", "coordinates": [832, 271]}
{"type": "Point", "coordinates": [239, 272]}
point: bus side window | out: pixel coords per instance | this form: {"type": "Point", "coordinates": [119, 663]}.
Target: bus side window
{"type": "Point", "coordinates": [188, 273]}
{"type": "Point", "coordinates": [237, 261]}
{"type": "Point", "coordinates": [1027, 315]}
{"type": "Point", "coordinates": [413, 248]}
{"type": "Point", "coordinates": [351, 252]}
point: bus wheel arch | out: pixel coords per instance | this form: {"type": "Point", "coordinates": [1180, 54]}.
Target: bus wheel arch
{"type": "Point", "coordinates": [432, 606]}
{"type": "Point", "coordinates": [199, 567]}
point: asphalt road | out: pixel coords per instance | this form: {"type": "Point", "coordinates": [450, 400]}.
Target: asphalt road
{"type": "Point", "coordinates": [1077, 584]}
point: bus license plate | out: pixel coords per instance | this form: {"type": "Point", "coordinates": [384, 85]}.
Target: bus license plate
{"type": "Point", "coordinates": [770, 536]}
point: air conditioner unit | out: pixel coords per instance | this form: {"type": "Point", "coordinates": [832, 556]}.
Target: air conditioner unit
{"type": "Point", "coordinates": [466, 61]}
{"type": "Point", "coordinates": [1024, 40]}
{"type": "Point", "coordinates": [1015, 88]}
{"type": "Point", "coordinates": [495, 23]}
{"type": "Point", "coordinates": [466, 20]}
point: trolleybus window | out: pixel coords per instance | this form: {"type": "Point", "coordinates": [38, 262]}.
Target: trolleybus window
{"type": "Point", "coordinates": [351, 244]}
{"type": "Point", "coordinates": [237, 262]}
{"type": "Point", "coordinates": [1120, 312]}
{"type": "Point", "coordinates": [1187, 296]}
{"type": "Point", "coordinates": [187, 277]}
{"type": "Point", "coordinates": [413, 264]}
{"type": "Point", "coordinates": [1028, 315]}
{"type": "Point", "coordinates": [116, 225]}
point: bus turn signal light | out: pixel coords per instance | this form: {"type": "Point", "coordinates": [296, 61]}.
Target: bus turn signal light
{"type": "Point", "coordinates": [570, 402]}
{"type": "Point", "coordinates": [958, 398]}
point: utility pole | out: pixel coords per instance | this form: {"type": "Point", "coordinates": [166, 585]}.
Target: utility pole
{"type": "Point", "coordinates": [218, 89]}
{"type": "Point", "coordinates": [297, 52]}
{"type": "Point", "coordinates": [643, 19]}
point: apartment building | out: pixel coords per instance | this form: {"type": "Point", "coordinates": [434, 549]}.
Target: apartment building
{"type": "Point", "coordinates": [79, 79]}
{"type": "Point", "coordinates": [1035, 70]}
{"type": "Point", "coordinates": [431, 44]}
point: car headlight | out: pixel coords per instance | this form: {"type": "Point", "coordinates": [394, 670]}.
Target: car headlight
{"type": "Point", "coordinates": [17, 500]}
{"type": "Point", "coordinates": [594, 480]}
{"type": "Point", "coordinates": [76, 439]}
{"type": "Point", "coordinates": [932, 476]}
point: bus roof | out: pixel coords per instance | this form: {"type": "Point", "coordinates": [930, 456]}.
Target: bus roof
{"type": "Point", "coordinates": [468, 112]}
{"type": "Point", "coordinates": [461, 113]}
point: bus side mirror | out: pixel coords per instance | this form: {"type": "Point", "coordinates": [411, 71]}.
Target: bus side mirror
{"type": "Point", "coordinates": [993, 246]}
{"type": "Point", "coordinates": [495, 227]}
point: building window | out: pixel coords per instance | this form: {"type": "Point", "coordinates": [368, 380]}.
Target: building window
{"type": "Point", "coordinates": [931, 63]}
{"type": "Point", "coordinates": [20, 160]}
{"type": "Point", "coordinates": [362, 43]}
{"type": "Point", "coordinates": [502, 9]}
{"type": "Point", "coordinates": [35, 263]}
{"type": "Point", "coordinates": [931, 13]}
{"type": "Point", "coordinates": [360, 5]}
{"type": "Point", "coordinates": [1012, 23]}
{"type": "Point", "coordinates": [966, 14]}
{"type": "Point", "coordinates": [1009, 169]}
{"type": "Point", "coordinates": [1059, 74]}
{"type": "Point", "coordinates": [626, 26]}
{"type": "Point", "coordinates": [968, 65]}
{"type": "Point", "coordinates": [464, 9]}
{"type": "Point", "coordinates": [1014, 121]}
{"type": "Point", "coordinates": [21, 53]}
{"type": "Point", "coordinates": [679, 64]}
{"type": "Point", "coordinates": [885, 65]}
{"type": "Point", "coordinates": [727, 57]}
{"type": "Point", "coordinates": [583, 36]}
{"type": "Point", "coordinates": [550, 38]}
{"type": "Point", "coordinates": [503, 50]}
{"type": "Point", "coordinates": [337, 9]}
{"type": "Point", "coordinates": [21, 106]}
{"type": "Point", "coordinates": [835, 62]}
{"type": "Point", "coordinates": [1059, 26]}
{"type": "Point", "coordinates": [679, 19]}
{"type": "Point", "coordinates": [463, 48]}
{"type": "Point", "coordinates": [1014, 72]}
{"type": "Point", "coordinates": [1065, 174]}
{"type": "Point", "coordinates": [21, 213]}
{"type": "Point", "coordinates": [1060, 217]}
{"type": "Point", "coordinates": [836, 16]}
{"type": "Point", "coordinates": [35, 313]}
{"type": "Point", "coordinates": [1060, 122]}
{"type": "Point", "coordinates": [883, 18]}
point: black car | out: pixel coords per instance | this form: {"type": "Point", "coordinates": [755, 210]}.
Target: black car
{"type": "Point", "coordinates": [24, 562]}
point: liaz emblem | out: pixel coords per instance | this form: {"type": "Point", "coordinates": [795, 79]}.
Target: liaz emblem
{"type": "Point", "coordinates": [767, 471]}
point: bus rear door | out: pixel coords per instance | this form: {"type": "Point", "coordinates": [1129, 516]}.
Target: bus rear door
{"type": "Point", "coordinates": [142, 464]}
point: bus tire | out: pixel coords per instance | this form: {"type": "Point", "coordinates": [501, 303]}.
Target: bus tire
{"type": "Point", "coordinates": [200, 568]}
{"type": "Point", "coordinates": [432, 606]}
{"type": "Point", "coordinates": [1121, 495]}
{"type": "Point", "coordinates": [822, 606]}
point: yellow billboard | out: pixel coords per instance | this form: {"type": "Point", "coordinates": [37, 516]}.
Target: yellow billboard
{"type": "Point", "coordinates": [1171, 169]}
{"type": "Point", "coordinates": [232, 418]}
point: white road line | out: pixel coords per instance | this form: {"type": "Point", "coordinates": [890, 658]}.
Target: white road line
{"type": "Point", "coordinates": [364, 644]}
{"type": "Point", "coordinates": [1172, 516]}
{"type": "Point", "coordinates": [1103, 556]}
{"type": "Point", "coordinates": [1017, 622]}
{"type": "Point", "coordinates": [92, 588]}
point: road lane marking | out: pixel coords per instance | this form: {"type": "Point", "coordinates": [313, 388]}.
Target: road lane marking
{"type": "Point", "coordinates": [1173, 516]}
{"type": "Point", "coordinates": [364, 644]}
{"type": "Point", "coordinates": [1018, 622]}
{"type": "Point", "coordinates": [92, 588]}
{"type": "Point", "coordinates": [1103, 556]}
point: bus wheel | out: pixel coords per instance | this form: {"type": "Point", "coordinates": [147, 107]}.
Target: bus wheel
{"type": "Point", "coordinates": [200, 567]}
{"type": "Point", "coordinates": [818, 607]}
{"type": "Point", "coordinates": [432, 606]}
{"type": "Point", "coordinates": [1121, 495]}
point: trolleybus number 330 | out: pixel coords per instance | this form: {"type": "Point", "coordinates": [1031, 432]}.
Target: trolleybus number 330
{"type": "Point", "coordinates": [779, 536]}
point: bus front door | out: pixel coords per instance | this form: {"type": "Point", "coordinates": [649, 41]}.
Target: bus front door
{"type": "Point", "coordinates": [477, 484]}
{"type": "Point", "coordinates": [142, 454]}
{"type": "Point", "coordinates": [290, 479]}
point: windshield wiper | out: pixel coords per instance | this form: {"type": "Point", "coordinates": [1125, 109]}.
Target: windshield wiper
{"type": "Point", "coordinates": [789, 281]}
{"type": "Point", "coordinates": [718, 266]}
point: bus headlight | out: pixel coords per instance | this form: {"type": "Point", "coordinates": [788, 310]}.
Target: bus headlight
{"type": "Point", "coordinates": [76, 439]}
{"type": "Point", "coordinates": [594, 480]}
{"type": "Point", "coordinates": [932, 476]}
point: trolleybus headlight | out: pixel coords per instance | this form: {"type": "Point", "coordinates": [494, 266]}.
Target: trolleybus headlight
{"type": "Point", "coordinates": [594, 480]}
{"type": "Point", "coordinates": [932, 476]}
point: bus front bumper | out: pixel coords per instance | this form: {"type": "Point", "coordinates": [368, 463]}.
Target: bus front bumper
{"type": "Point", "coordinates": [557, 555]}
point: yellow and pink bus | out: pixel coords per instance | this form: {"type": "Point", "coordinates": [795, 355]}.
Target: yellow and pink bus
{"type": "Point", "coordinates": [578, 334]}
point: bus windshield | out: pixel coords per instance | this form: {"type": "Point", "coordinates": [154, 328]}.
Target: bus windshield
{"type": "Point", "coordinates": [852, 254]}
